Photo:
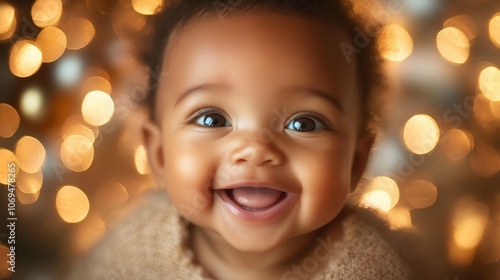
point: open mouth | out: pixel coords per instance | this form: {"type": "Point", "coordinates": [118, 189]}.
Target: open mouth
{"type": "Point", "coordinates": [255, 198]}
{"type": "Point", "coordinates": [256, 203]}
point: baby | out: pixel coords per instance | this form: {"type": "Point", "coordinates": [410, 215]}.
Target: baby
{"type": "Point", "coordinates": [259, 131]}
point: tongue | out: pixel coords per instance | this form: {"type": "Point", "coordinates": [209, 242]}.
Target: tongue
{"type": "Point", "coordinates": [256, 198]}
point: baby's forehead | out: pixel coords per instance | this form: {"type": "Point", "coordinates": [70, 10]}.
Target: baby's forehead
{"type": "Point", "coordinates": [254, 29]}
{"type": "Point", "coordinates": [267, 17]}
{"type": "Point", "coordinates": [258, 34]}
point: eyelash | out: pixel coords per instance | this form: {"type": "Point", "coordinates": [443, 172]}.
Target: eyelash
{"type": "Point", "coordinates": [328, 124]}
{"type": "Point", "coordinates": [209, 109]}
{"type": "Point", "coordinates": [203, 110]}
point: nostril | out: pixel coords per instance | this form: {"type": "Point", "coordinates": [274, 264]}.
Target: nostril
{"type": "Point", "coordinates": [241, 160]}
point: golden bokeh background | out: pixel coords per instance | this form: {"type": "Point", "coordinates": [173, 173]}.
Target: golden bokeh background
{"type": "Point", "coordinates": [71, 84]}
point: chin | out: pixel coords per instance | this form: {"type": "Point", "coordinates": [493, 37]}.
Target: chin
{"type": "Point", "coordinates": [254, 248]}
{"type": "Point", "coordinates": [253, 243]}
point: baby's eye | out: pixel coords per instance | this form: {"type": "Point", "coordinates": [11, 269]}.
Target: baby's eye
{"type": "Point", "coordinates": [212, 120]}
{"type": "Point", "coordinates": [305, 124]}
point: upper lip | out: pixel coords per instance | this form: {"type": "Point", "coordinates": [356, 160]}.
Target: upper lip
{"type": "Point", "coordinates": [256, 184]}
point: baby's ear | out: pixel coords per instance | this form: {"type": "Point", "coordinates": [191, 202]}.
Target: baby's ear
{"type": "Point", "coordinates": [152, 141]}
{"type": "Point", "coordinates": [361, 156]}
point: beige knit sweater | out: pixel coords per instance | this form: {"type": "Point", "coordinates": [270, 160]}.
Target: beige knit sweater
{"type": "Point", "coordinates": [150, 244]}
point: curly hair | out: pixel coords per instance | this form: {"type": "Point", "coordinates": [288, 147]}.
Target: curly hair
{"type": "Point", "coordinates": [179, 13]}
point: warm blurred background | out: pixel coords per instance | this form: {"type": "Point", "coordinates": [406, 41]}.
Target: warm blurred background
{"type": "Point", "coordinates": [71, 82]}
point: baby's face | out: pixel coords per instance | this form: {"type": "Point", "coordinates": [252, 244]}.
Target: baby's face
{"type": "Point", "coordinates": [257, 136]}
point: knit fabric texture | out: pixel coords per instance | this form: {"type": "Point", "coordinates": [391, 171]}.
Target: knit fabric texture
{"type": "Point", "coordinates": [151, 243]}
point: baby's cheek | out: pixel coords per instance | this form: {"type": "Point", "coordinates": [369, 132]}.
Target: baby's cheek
{"type": "Point", "coordinates": [325, 184]}
{"type": "Point", "coordinates": [323, 170]}
{"type": "Point", "coordinates": [325, 198]}
{"type": "Point", "coordinates": [184, 165]}
{"type": "Point", "coordinates": [188, 182]}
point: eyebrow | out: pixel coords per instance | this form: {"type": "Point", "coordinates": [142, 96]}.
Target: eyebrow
{"type": "Point", "coordinates": [218, 88]}
{"type": "Point", "coordinates": [203, 87]}
{"type": "Point", "coordinates": [324, 95]}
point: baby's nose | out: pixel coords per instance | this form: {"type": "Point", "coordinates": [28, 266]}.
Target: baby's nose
{"type": "Point", "coordinates": [256, 150]}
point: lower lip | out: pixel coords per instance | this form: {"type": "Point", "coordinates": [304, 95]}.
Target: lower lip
{"type": "Point", "coordinates": [266, 214]}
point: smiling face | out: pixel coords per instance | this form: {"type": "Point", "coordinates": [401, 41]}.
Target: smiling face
{"type": "Point", "coordinates": [257, 138]}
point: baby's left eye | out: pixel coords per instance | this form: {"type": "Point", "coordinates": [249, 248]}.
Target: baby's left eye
{"type": "Point", "coordinates": [305, 124]}
{"type": "Point", "coordinates": [212, 120]}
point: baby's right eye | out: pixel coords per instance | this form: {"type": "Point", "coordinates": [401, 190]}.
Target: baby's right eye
{"type": "Point", "coordinates": [212, 120]}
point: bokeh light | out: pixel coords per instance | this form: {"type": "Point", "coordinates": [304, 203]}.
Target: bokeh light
{"type": "Point", "coordinates": [495, 109]}
{"type": "Point", "coordinates": [468, 231]}
{"type": "Point", "coordinates": [464, 23]}
{"type": "Point", "coordinates": [469, 222]}
{"type": "Point", "coordinates": [382, 193]}
{"type": "Point", "coordinates": [399, 218]}
{"type": "Point", "coordinates": [485, 161]}
{"type": "Point", "coordinates": [96, 83]}
{"type": "Point", "coordinates": [97, 108]}
{"type": "Point", "coordinates": [141, 161]}
{"type": "Point", "coordinates": [32, 103]}
{"type": "Point", "coordinates": [30, 183]}
{"type": "Point", "coordinates": [73, 123]}
{"type": "Point", "coordinates": [126, 21]}
{"type": "Point", "coordinates": [394, 42]}
{"type": "Point", "coordinates": [7, 157]}
{"type": "Point", "coordinates": [52, 43]}
{"type": "Point", "coordinates": [25, 58]}
{"type": "Point", "coordinates": [77, 153]}
{"type": "Point", "coordinates": [68, 70]}
{"type": "Point", "coordinates": [79, 32]}
{"type": "Point", "coordinates": [77, 129]}
{"type": "Point", "coordinates": [453, 45]}
{"type": "Point", "coordinates": [7, 21]}
{"type": "Point", "coordinates": [420, 194]}
{"type": "Point", "coordinates": [420, 134]}
{"type": "Point", "coordinates": [97, 72]}
{"type": "Point", "coordinates": [378, 200]}
{"type": "Point", "coordinates": [4, 262]}
{"type": "Point", "coordinates": [28, 186]}
{"type": "Point", "coordinates": [489, 83]}
{"type": "Point", "coordinates": [494, 29]}
{"type": "Point", "coordinates": [10, 120]}
{"type": "Point", "coordinates": [482, 113]}
{"type": "Point", "coordinates": [46, 12]}
{"type": "Point", "coordinates": [72, 204]}
{"type": "Point", "coordinates": [146, 7]}
{"type": "Point", "coordinates": [458, 144]}
{"type": "Point", "coordinates": [30, 154]}
{"type": "Point", "coordinates": [27, 198]}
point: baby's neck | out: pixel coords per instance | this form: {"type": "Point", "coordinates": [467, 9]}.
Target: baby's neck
{"type": "Point", "coordinates": [223, 261]}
